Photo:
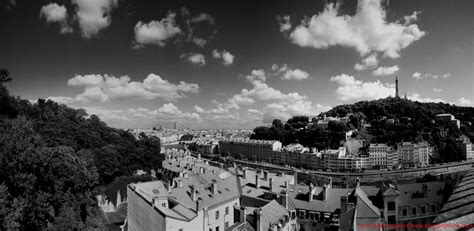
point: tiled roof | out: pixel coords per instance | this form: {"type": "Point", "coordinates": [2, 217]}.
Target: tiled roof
{"type": "Point", "coordinates": [434, 195]}
{"type": "Point", "coordinates": [271, 214]}
{"type": "Point", "coordinates": [298, 196]}
{"type": "Point", "coordinates": [459, 209]}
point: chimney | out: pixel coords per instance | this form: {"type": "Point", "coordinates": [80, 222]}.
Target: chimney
{"type": "Point", "coordinates": [312, 189]}
{"type": "Point", "coordinates": [258, 213]}
{"type": "Point", "coordinates": [357, 182]}
{"type": "Point", "coordinates": [185, 175]}
{"type": "Point", "coordinates": [256, 181]}
{"type": "Point", "coordinates": [244, 173]}
{"type": "Point", "coordinates": [242, 213]}
{"type": "Point", "coordinates": [425, 190]}
{"type": "Point", "coordinates": [193, 193]}
{"type": "Point", "coordinates": [168, 186]}
{"type": "Point", "coordinates": [201, 170]}
{"type": "Point", "coordinates": [214, 188]}
{"type": "Point", "coordinates": [283, 175]}
{"type": "Point", "coordinates": [180, 183]}
{"type": "Point", "coordinates": [284, 198]}
{"type": "Point", "coordinates": [286, 184]}
{"type": "Point", "coordinates": [261, 174]}
{"type": "Point", "coordinates": [198, 204]}
{"type": "Point", "coordinates": [265, 175]}
{"type": "Point", "coordinates": [343, 204]}
{"type": "Point", "coordinates": [324, 193]}
{"type": "Point", "coordinates": [270, 184]}
{"type": "Point", "coordinates": [296, 177]}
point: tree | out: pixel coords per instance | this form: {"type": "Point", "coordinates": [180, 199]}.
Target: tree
{"type": "Point", "coordinates": [4, 76]}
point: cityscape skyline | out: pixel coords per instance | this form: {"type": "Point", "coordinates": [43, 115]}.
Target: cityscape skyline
{"type": "Point", "coordinates": [223, 64]}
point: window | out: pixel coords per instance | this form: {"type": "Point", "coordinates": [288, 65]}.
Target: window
{"type": "Point", "coordinates": [217, 228]}
{"type": "Point", "coordinates": [433, 208]}
{"type": "Point", "coordinates": [226, 210]}
{"type": "Point", "coordinates": [391, 206]}
{"type": "Point", "coordinates": [180, 229]}
{"type": "Point", "coordinates": [423, 210]}
{"type": "Point", "coordinates": [392, 219]}
{"type": "Point", "coordinates": [217, 216]}
{"type": "Point", "coordinates": [404, 212]}
{"type": "Point", "coordinates": [227, 225]}
{"type": "Point", "coordinates": [413, 211]}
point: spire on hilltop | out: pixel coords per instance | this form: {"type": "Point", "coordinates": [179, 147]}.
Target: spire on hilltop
{"type": "Point", "coordinates": [396, 87]}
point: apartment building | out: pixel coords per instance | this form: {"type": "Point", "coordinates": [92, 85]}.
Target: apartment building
{"type": "Point", "coordinates": [249, 149]}
{"type": "Point", "coordinates": [413, 154]}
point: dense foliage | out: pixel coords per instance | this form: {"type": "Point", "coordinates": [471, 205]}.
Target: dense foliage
{"type": "Point", "coordinates": [412, 121]}
{"type": "Point", "coordinates": [52, 157]}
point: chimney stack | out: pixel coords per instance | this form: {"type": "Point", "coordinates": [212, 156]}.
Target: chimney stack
{"type": "Point", "coordinates": [258, 214]}
{"type": "Point", "coordinates": [324, 193]}
{"type": "Point", "coordinates": [243, 213]}
{"type": "Point", "coordinates": [244, 173]}
{"type": "Point", "coordinates": [201, 170]}
{"type": "Point", "coordinates": [261, 174]}
{"type": "Point", "coordinates": [214, 188]}
{"type": "Point", "coordinates": [284, 198]}
{"type": "Point", "coordinates": [312, 189]}
{"type": "Point", "coordinates": [180, 183]}
{"type": "Point", "coordinates": [265, 175]}
{"type": "Point", "coordinates": [193, 193]}
{"type": "Point", "coordinates": [286, 184]}
{"type": "Point", "coordinates": [270, 184]}
{"type": "Point", "coordinates": [343, 204]}
{"type": "Point", "coordinates": [357, 182]}
{"type": "Point", "coordinates": [256, 181]}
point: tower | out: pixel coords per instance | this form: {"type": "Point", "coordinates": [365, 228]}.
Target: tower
{"type": "Point", "coordinates": [396, 87]}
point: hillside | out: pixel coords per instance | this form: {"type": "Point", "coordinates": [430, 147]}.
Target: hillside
{"type": "Point", "coordinates": [52, 159]}
{"type": "Point", "coordinates": [412, 121]}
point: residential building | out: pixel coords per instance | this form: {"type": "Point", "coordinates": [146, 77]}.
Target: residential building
{"type": "Point", "coordinates": [378, 154]}
{"type": "Point", "coordinates": [413, 154]}
{"type": "Point", "coordinates": [194, 201]}
{"type": "Point", "coordinates": [249, 149]}
{"type": "Point", "coordinates": [449, 119]}
{"type": "Point", "coordinates": [465, 147]}
{"type": "Point", "coordinates": [412, 204]}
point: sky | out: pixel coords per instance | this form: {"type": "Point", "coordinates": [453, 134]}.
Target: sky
{"type": "Point", "coordinates": [234, 64]}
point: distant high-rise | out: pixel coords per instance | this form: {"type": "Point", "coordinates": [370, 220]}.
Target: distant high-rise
{"type": "Point", "coordinates": [396, 87]}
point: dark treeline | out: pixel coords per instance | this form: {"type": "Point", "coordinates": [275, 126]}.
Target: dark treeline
{"type": "Point", "coordinates": [413, 122]}
{"type": "Point", "coordinates": [52, 158]}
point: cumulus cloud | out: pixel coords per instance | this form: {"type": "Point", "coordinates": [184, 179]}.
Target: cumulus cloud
{"type": "Point", "coordinates": [54, 13]}
{"type": "Point", "coordinates": [287, 73]}
{"type": "Point", "coordinates": [351, 89]}
{"type": "Point", "coordinates": [104, 88]}
{"type": "Point", "coordinates": [464, 102]}
{"type": "Point", "coordinates": [257, 75]}
{"type": "Point", "coordinates": [61, 99]}
{"type": "Point", "coordinates": [199, 109]}
{"type": "Point", "coordinates": [295, 74]}
{"type": "Point", "coordinates": [227, 57]}
{"type": "Point", "coordinates": [417, 97]}
{"type": "Point", "coordinates": [195, 58]}
{"type": "Point", "coordinates": [382, 71]}
{"type": "Point", "coordinates": [93, 15]}
{"type": "Point", "coordinates": [418, 75]}
{"type": "Point", "coordinates": [369, 61]}
{"type": "Point", "coordinates": [285, 24]}
{"type": "Point", "coordinates": [200, 29]}
{"type": "Point", "coordinates": [437, 89]}
{"type": "Point", "coordinates": [367, 31]}
{"type": "Point", "coordinates": [156, 32]}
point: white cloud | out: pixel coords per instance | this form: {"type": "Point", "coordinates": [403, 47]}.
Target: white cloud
{"type": "Point", "coordinates": [195, 58]}
{"type": "Point", "coordinates": [464, 102]}
{"type": "Point", "coordinates": [103, 88]}
{"type": "Point", "coordinates": [199, 109]}
{"type": "Point", "coordinates": [284, 23]}
{"type": "Point", "coordinates": [56, 13]}
{"type": "Point", "coordinates": [93, 15]}
{"type": "Point", "coordinates": [367, 31]}
{"type": "Point", "coordinates": [437, 89]}
{"type": "Point", "coordinates": [156, 32]}
{"type": "Point", "coordinates": [416, 97]}
{"type": "Point", "coordinates": [295, 74]}
{"type": "Point", "coordinates": [382, 71]}
{"type": "Point", "coordinates": [351, 89]}
{"type": "Point", "coordinates": [61, 99]}
{"type": "Point", "coordinates": [369, 61]}
{"type": "Point", "coordinates": [257, 75]}
{"type": "Point", "coordinates": [418, 75]}
{"type": "Point", "coordinates": [203, 17]}
{"type": "Point", "coordinates": [227, 57]}
{"type": "Point", "coordinates": [169, 109]}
